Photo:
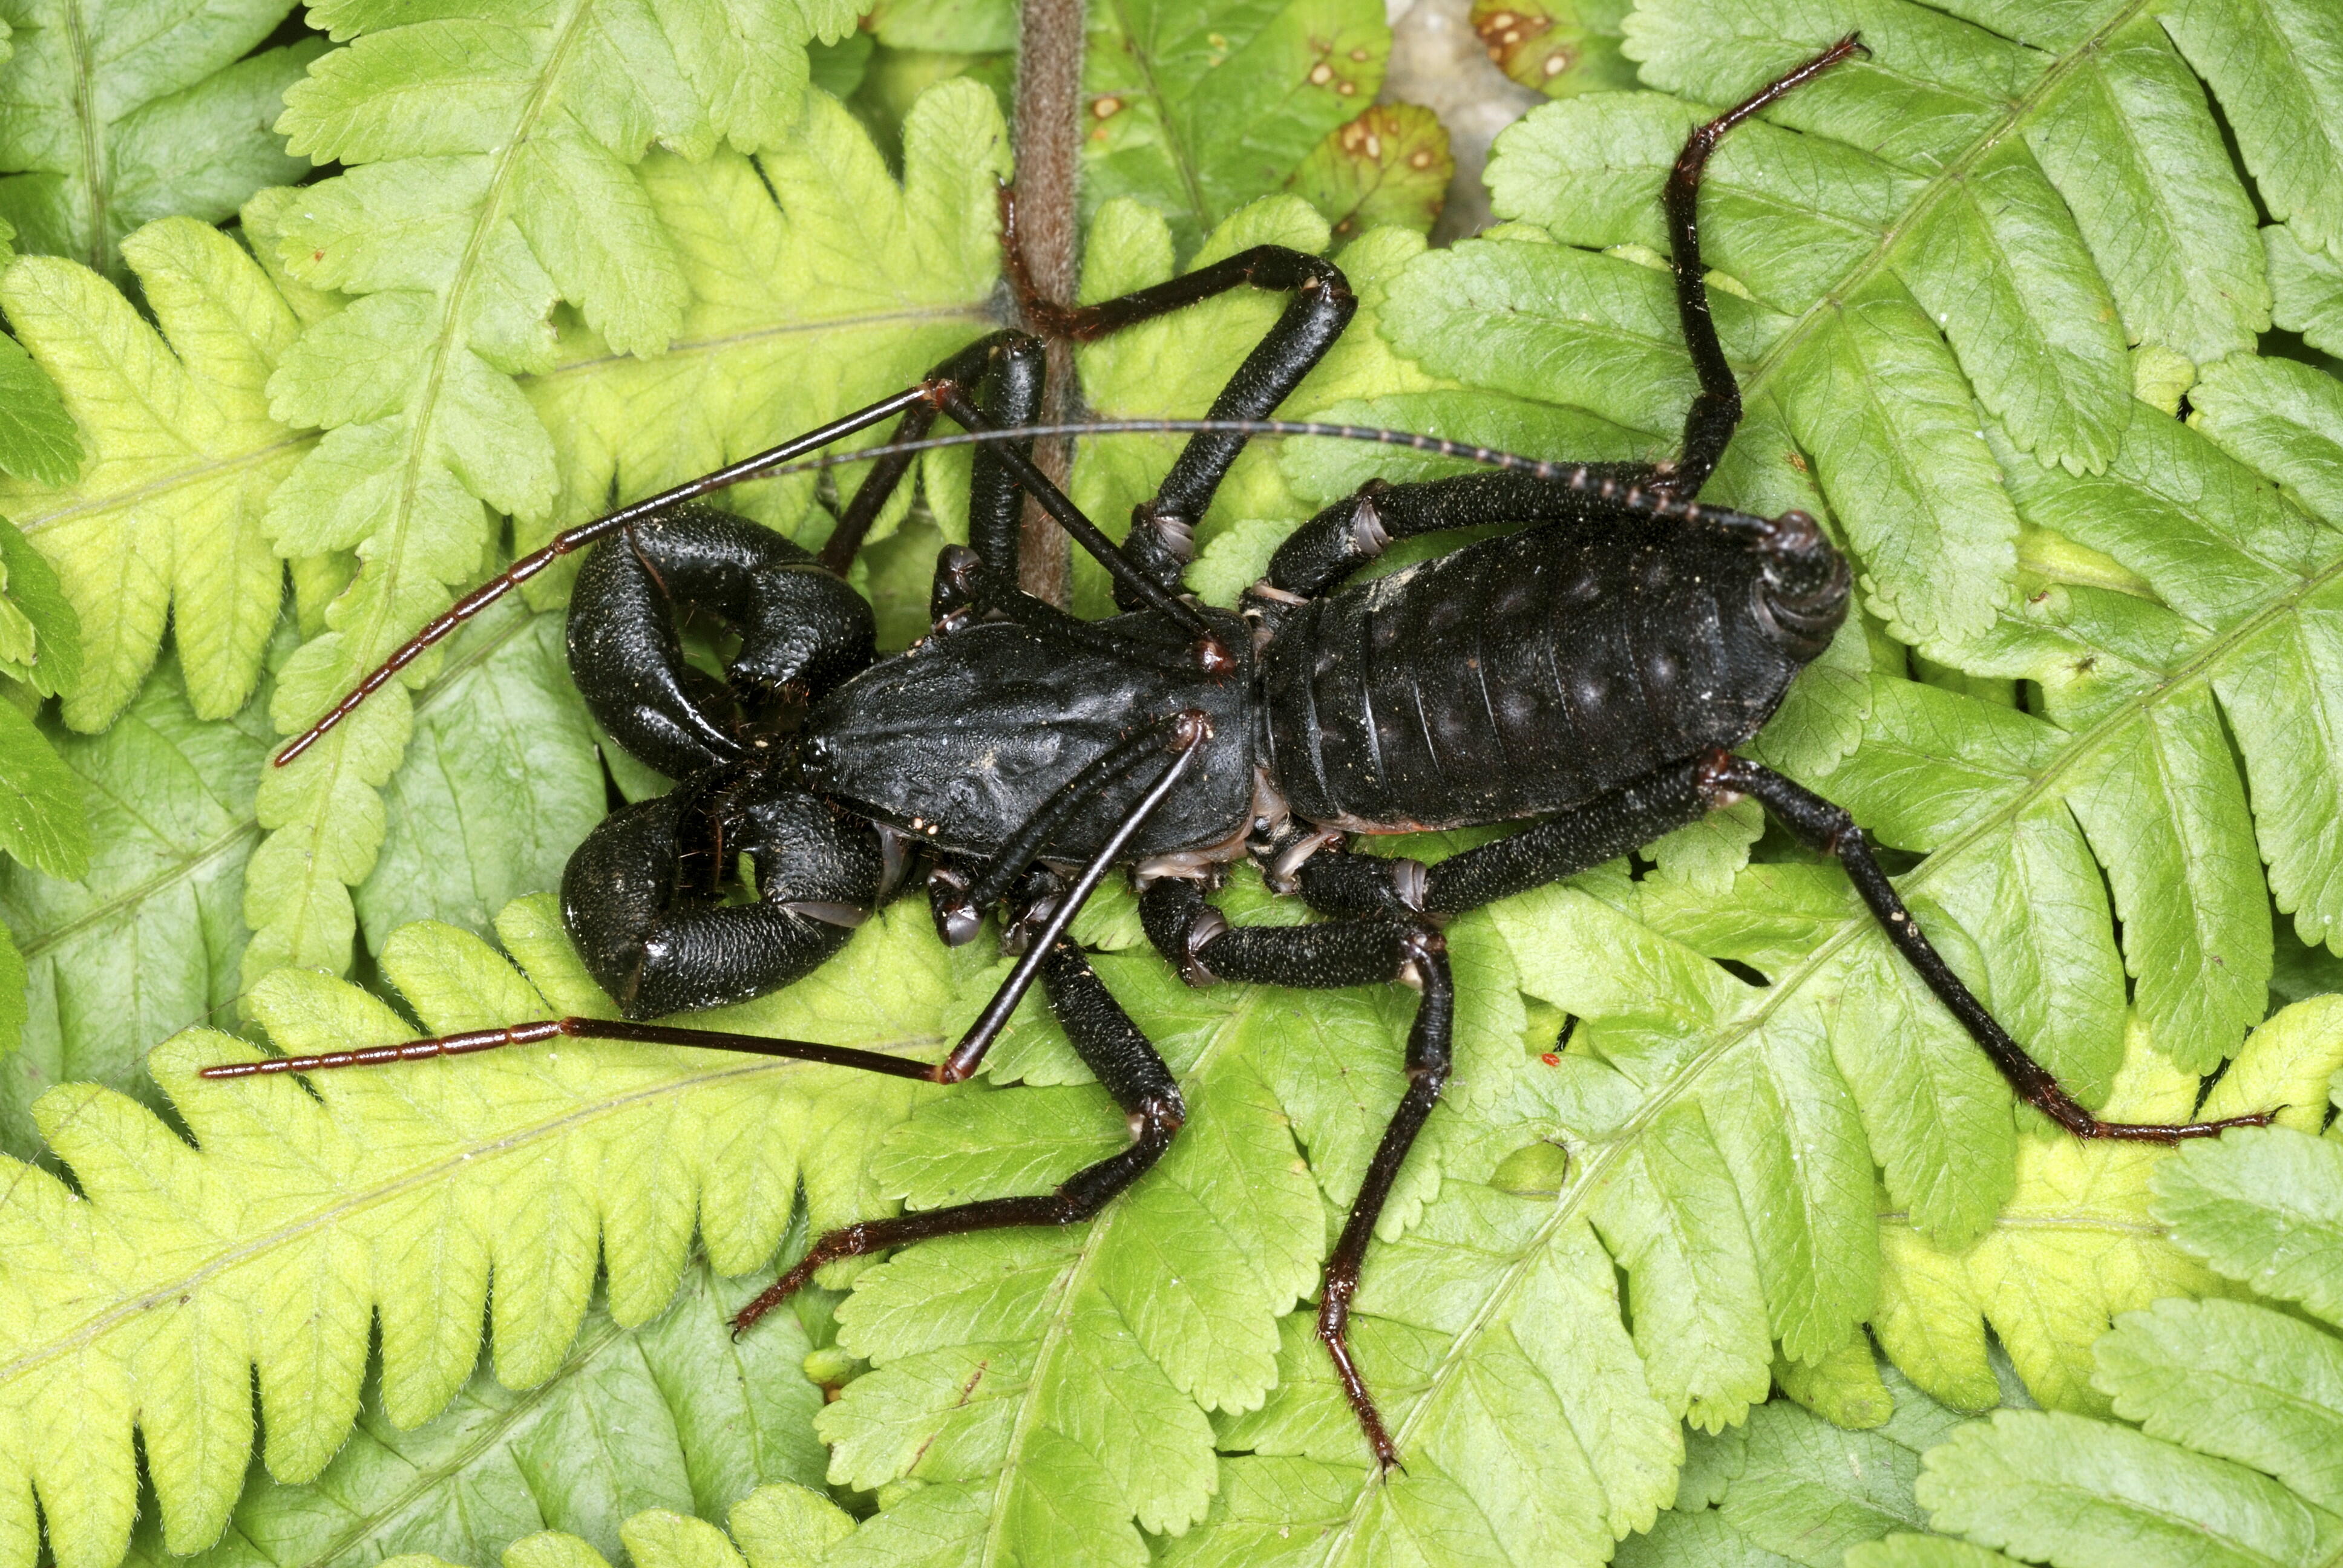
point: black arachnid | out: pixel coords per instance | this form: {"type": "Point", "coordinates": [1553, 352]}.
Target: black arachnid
{"type": "Point", "coordinates": [1588, 673]}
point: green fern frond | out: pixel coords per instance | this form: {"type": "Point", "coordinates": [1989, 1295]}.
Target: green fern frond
{"type": "Point", "coordinates": [2083, 1214]}
{"type": "Point", "coordinates": [493, 177]}
{"type": "Point", "coordinates": [1199, 109]}
{"type": "Point", "coordinates": [187, 456]}
{"type": "Point", "coordinates": [183, 455]}
{"type": "Point", "coordinates": [37, 440]}
{"type": "Point", "coordinates": [147, 940]}
{"type": "Point", "coordinates": [1388, 168]}
{"type": "Point", "coordinates": [2306, 289]}
{"type": "Point", "coordinates": [673, 1415]}
{"type": "Point", "coordinates": [143, 942]}
{"type": "Point", "coordinates": [502, 781]}
{"type": "Point", "coordinates": [1048, 1394]}
{"type": "Point", "coordinates": [781, 1526]}
{"type": "Point", "coordinates": [2239, 1408]}
{"type": "Point", "coordinates": [42, 822]}
{"type": "Point", "coordinates": [1791, 1487]}
{"type": "Point", "coordinates": [298, 1216]}
{"type": "Point", "coordinates": [849, 290]}
{"type": "Point", "coordinates": [112, 116]}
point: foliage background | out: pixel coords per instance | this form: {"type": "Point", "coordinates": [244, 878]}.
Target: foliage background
{"type": "Point", "coordinates": [1725, 1237]}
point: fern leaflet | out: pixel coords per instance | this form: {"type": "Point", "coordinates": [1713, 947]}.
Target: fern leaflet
{"type": "Point", "coordinates": [781, 1526]}
{"type": "Point", "coordinates": [674, 1414]}
{"type": "Point", "coordinates": [144, 942]}
{"type": "Point", "coordinates": [183, 455]}
{"type": "Point", "coordinates": [113, 117]}
{"type": "Point", "coordinates": [2239, 1406]}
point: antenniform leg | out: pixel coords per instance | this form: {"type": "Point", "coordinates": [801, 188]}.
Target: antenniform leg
{"type": "Point", "coordinates": [961, 900]}
{"type": "Point", "coordinates": [571, 540]}
{"type": "Point", "coordinates": [1186, 740]}
{"type": "Point", "coordinates": [1000, 472]}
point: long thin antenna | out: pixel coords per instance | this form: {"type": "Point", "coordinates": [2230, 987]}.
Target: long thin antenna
{"type": "Point", "coordinates": [529, 565]}
{"type": "Point", "coordinates": [788, 457]}
{"type": "Point", "coordinates": [1439, 446]}
{"type": "Point", "coordinates": [1595, 480]}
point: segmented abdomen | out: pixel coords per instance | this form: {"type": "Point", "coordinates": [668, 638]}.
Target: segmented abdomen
{"type": "Point", "coordinates": [1517, 677]}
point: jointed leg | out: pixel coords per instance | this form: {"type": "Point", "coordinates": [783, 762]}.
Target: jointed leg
{"type": "Point", "coordinates": [1187, 738]}
{"type": "Point", "coordinates": [871, 496]}
{"type": "Point", "coordinates": [573, 540]}
{"type": "Point", "coordinates": [967, 589]}
{"type": "Point", "coordinates": [1126, 1064]}
{"type": "Point", "coordinates": [1354, 530]}
{"type": "Point", "coordinates": [1162, 534]}
{"type": "Point", "coordinates": [1391, 902]}
{"type": "Point", "coordinates": [1377, 947]}
{"type": "Point", "coordinates": [1430, 1055]}
{"type": "Point", "coordinates": [1820, 825]}
{"type": "Point", "coordinates": [1006, 370]}
{"type": "Point", "coordinates": [1612, 825]}
{"type": "Point", "coordinates": [1716, 409]}
{"type": "Point", "coordinates": [1164, 530]}
{"type": "Point", "coordinates": [1129, 580]}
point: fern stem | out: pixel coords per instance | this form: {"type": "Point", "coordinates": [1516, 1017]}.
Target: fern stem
{"type": "Point", "coordinates": [1049, 170]}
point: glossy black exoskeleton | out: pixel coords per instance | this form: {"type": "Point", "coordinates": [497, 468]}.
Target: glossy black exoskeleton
{"type": "Point", "coordinates": [1589, 674]}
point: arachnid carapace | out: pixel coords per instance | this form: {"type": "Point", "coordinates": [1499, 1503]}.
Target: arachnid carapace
{"type": "Point", "coordinates": [1588, 674]}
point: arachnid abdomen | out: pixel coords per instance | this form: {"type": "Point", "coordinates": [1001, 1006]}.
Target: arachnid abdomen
{"type": "Point", "coordinates": [1522, 675]}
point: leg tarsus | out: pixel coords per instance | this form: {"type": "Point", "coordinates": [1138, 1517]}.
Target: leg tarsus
{"type": "Point", "coordinates": [1429, 1052]}
{"type": "Point", "coordinates": [470, 1041]}
{"type": "Point", "coordinates": [1078, 1198]}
